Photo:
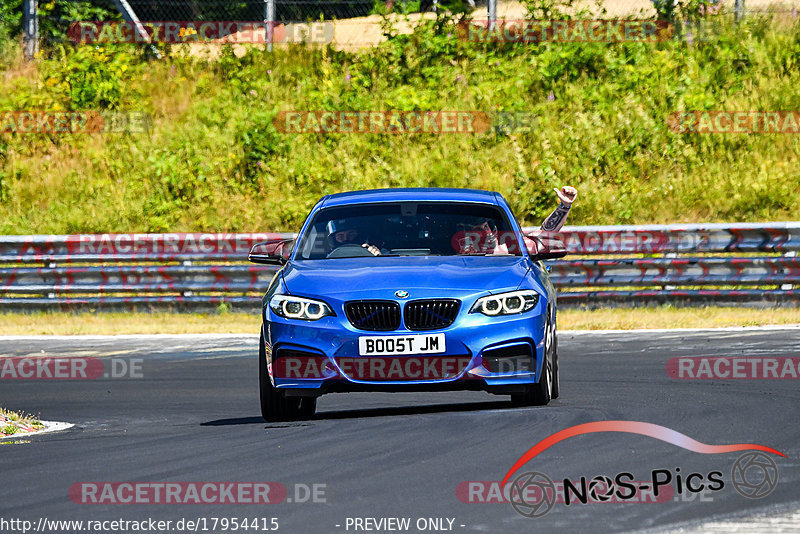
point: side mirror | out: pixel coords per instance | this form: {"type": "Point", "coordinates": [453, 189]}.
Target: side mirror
{"type": "Point", "coordinates": [548, 255]}
{"type": "Point", "coordinates": [273, 252]}
{"type": "Point", "coordinates": [545, 246]}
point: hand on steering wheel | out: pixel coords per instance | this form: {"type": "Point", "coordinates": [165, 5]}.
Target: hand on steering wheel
{"type": "Point", "coordinates": [375, 251]}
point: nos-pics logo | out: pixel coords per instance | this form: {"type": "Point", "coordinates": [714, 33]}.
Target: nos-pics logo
{"type": "Point", "coordinates": [532, 494]}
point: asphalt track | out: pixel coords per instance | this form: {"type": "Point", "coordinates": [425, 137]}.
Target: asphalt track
{"type": "Point", "coordinates": [193, 416]}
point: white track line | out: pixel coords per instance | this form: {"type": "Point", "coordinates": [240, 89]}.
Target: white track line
{"type": "Point", "coordinates": [132, 337]}
{"type": "Point", "coordinates": [685, 330]}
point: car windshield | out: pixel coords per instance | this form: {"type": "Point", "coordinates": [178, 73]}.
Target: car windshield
{"type": "Point", "coordinates": [408, 229]}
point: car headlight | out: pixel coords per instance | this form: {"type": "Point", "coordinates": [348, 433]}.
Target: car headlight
{"type": "Point", "coordinates": [299, 308]}
{"type": "Point", "coordinates": [506, 303]}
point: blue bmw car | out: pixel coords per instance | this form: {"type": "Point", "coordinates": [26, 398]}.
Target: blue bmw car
{"type": "Point", "coordinates": [407, 290]}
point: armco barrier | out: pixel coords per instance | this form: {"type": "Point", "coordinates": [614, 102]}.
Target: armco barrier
{"type": "Point", "coordinates": [753, 264]}
{"type": "Point", "coordinates": [150, 248]}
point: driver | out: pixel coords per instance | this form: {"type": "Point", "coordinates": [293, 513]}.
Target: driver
{"type": "Point", "coordinates": [344, 232]}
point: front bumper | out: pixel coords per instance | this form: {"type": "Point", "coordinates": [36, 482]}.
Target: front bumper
{"type": "Point", "coordinates": [500, 355]}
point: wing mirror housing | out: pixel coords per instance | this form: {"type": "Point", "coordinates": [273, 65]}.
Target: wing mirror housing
{"type": "Point", "coordinates": [272, 252]}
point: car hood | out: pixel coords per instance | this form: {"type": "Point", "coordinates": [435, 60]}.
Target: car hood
{"type": "Point", "coordinates": [420, 276]}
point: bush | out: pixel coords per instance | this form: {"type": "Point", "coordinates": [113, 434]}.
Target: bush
{"type": "Point", "coordinates": [214, 161]}
{"type": "Point", "coordinates": [91, 77]}
{"type": "Point", "coordinates": [55, 17]}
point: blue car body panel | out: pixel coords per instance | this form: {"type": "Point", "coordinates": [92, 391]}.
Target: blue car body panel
{"type": "Point", "coordinates": [466, 278]}
{"type": "Point", "coordinates": [428, 277]}
{"type": "Point", "coordinates": [419, 194]}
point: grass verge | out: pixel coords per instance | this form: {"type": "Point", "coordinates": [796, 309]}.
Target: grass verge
{"type": "Point", "coordinates": [669, 317]}
{"type": "Point", "coordinates": [12, 423]}
{"type": "Point", "coordinates": [57, 323]}
{"type": "Point", "coordinates": [50, 323]}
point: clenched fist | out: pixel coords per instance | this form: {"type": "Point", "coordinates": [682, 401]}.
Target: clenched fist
{"type": "Point", "coordinates": [567, 194]}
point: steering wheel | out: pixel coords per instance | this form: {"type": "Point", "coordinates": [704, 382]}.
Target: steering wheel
{"type": "Point", "coordinates": [349, 250]}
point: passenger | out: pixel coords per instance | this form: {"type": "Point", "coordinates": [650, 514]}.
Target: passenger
{"type": "Point", "coordinates": [556, 220]}
{"type": "Point", "coordinates": [485, 239]}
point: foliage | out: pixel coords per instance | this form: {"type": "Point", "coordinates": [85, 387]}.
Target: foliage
{"type": "Point", "coordinates": [55, 17]}
{"type": "Point", "coordinates": [9, 430]}
{"type": "Point", "coordinates": [89, 77]}
{"type": "Point", "coordinates": [558, 9]}
{"type": "Point", "coordinates": [10, 18]}
{"type": "Point", "coordinates": [673, 10]}
{"type": "Point", "coordinates": [215, 161]}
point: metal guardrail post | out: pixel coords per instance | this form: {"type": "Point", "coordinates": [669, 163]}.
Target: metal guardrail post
{"type": "Point", "coordinates": [790, 254]}
{"type": "Point", "coordinates": [738, 10]}
{"type": "Point", "coordinates": [30, 29]}
{"type": "Point", "coordinates": [129, 15]}
{"type": "Point", "coordinates": [269, 22]}
{"type": "Point", "coordinates": [491, 11]}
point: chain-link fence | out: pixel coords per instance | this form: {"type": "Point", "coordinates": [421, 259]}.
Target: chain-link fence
{"type": "Point", "coordinates": [250, 10]}
{"type": "Point", "coordinates": [357, 22]}
{"type": "Point", "coordinates": [304, 10]}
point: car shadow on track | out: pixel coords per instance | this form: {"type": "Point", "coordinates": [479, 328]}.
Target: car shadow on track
{"type": "Point", "coordinates": [369, 412]}
{"type": "Point", "coordinates": [412, 410]}
{"type": "Point", "coordinates": [234, 421]}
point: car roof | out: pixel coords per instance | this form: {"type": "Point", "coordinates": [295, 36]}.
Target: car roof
{"type": "Point", "coordinates": [412, 194]}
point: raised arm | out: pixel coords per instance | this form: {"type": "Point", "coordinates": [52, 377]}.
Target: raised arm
{"type": "Point", "coordinates": [556, 220]}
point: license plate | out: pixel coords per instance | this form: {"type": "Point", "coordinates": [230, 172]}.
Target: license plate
{"type": "Point", "coordinates": [412, 344]}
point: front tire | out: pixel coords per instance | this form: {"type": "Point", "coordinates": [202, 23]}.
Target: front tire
{"type": "Point", "coordinates": [274, 405]}
{"type": "Point", "coordinates": [540, 393]}
{"type": "Point", "coordinates": [556, 391]}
